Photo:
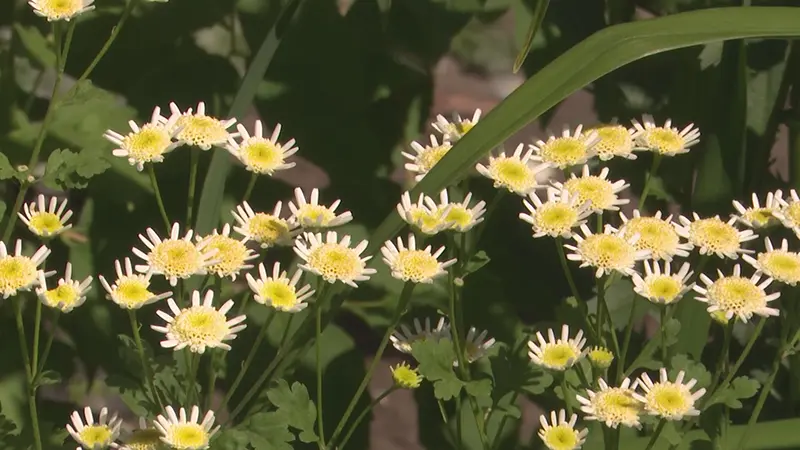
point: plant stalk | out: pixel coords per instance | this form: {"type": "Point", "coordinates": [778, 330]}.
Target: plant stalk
{"type": "Point", "coordinates": [154, 182]}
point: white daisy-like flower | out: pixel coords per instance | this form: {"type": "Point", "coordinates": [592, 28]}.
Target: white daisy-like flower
{"type": "Point", "coordinates": [667, 399]}
{"type": "Point", "coordinates": [231, 256]}
{"type": "Point", "coordinates": [557, 353]}
{"type": "Point", "coordinates": [713, 236]}
{"type": "Point", "coordinates": [54, 10]}
{"type": "Point", "coordinates": [757, 216]}
{"type": "Point", "coordinates": [279, 291]}
{"type": "Point", "coordinates": [606, 252]}
{"type": "Point", "coordinates": [67, 295]}
{"type": "Point", "coordinates": [615, 140]}
{"type": "Point", "coordinates": [789, 212]}
{"type": "Point", "coordinates": [266, 229]}
{"type": "Point", "coordinates": [666, 140]}
{"type": "Point", "coordinates": [662, 286]}
{"type": "Point", "coordinates": [422, 215]}
{"type": "Point", "coordinates": [655, 234]}
{"type": "Point", "coordinates": [596, 190]}
{"type": "Point", "coordinates": [404, 338]}
{"type": "Point", "coordinates": [260, 155]}
{"type": "Point", "coordinates": [411, 264]}
{"type": "Point", "coordinates": [94, 436]}
{"type": "Point", "coordinates": [560, 433]}
{"type": "Point", "coordinates": [200, 325]}
{"type": "Point", "coordinates": [777, 263]}
{"type": "Point", "coordinates": [186, 433]}
{"type": "Point", "coordinates": [557, 216]}
{"type": "Point", "coordinates": [515, 173]}
{"type": "Point", "coordinates": [426, 157]}
{"type": "Point", "coordinates": [333, 259]}
{"type": "Point", "coordinates": [175, 257]}
{"type": "Point", "coordinates": [456, 129]}
{"type": "Point", "coordinates": [19, 272]}
{"type": "Point", "coordinates": [613, 406]}
{"type": "Point", "coordinates": [458, 216]}
{"type": "Point", "coordinates": [148, 143]}
{"type": "Point", "coordinates": [46, 219]}
{"type": "Point", "coordinates": [737, 296]}
{"type": "Point", "coordinates": [198, 129]}
{"type": "Point", "coordinates": [310, 214]}
{"type": "Point", "coordinates": [144, 437]}
{"type": "Point", "coordinates": [131, 290]}
{"type": "Point", "coordinates": [476, 345]}
{"type": "Point", "coordinates": [569, 149]}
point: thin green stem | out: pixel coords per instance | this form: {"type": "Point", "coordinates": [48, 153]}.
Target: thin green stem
{"type": "Point", "coordinates": [114, 33]}
{"type": "Point", "coordinates": [318, 350]}
{"type": "Point", "coordinates": [459, 422]}
{"type": "Point", "coordinates": [49, 343]}
{"type": "Point", "coordinates": [601, 300]}
{"type": "Point", "coordinates": [148, 375]}
{"type": "Point", "coordinates": [154, 183]}
{"type": "Point", "coordinates": [663, 331]}
{"type": "Point", "coordinates": [498, 196]}
{"type": "Point", "coordinates": [363, 414]}
{"type": "Point", "coordinates": [23, 344]}
{"type": "Point", "coordinates": [250, 185]}
{"type": "Point", "coordinates": [647, 181]}
{"type": "Point", "coordinates": [565, 267]}
{"type": "Point", "coordinates": [723, 356]}
{"type": "Point", "coordinates": [648, 348]}
{"type": "Point", "coordinates": [194, 164]}
{"type": "Point", "coordinates": [37, 326]}
{"type": "Point", "coordinates": [626, 341]}
{"type": "Point", "coordinates": [656, 434]}
{"type": "Point", "coordinates": [565, 393]}
{"type": "Point", "coordinates": [249, 359]}
{"type": "Point", "coordinates": [441, 410]}
{"type": "Point", "coordinates": [23, 340]}
{"type": "Point", "coordinates": [762, 398]}
{"type": "Point", "coordinates": [738, 364]}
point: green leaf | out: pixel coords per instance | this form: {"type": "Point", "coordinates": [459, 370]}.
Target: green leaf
{"type": "Point", "coordinates": [231, 439]}
{"type": "Point", "coordinates": [69, 170]}
{"type": "Point", "coordinates": [296, 407]}
{"type": "Point", "coordinates": [740, 388]}
{"type": "Point", "coordinates": [36, 46]}
{"type": "Point", "coordinates": [435, 358]}
{"type": "Point", "coordinates": [48, 377]}
{"type": "Point", "coordinates": [536, 22]}
{"type": "Point", "coordinates": [6, 169]}
{"type": "Point", "coordinates": [481, 390]}
{"type": "Point", "coordinates": [692, 369]}
{"type": "Point", "coordinates": [476, 262]}
{"type": "Point", "coordinates": [268, 431]}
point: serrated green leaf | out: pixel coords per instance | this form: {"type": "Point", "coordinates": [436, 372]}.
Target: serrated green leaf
{"type": "Point", "coordinates": [435, 358]}
{"type": "Point", "coordinates": [740, 388]}
{"type": "Point", "coordinates": [296, 407]}
{"type": "Point", "coordinates": [36, 46]}
{"type": "Point", "coordinates": [68, 170]}
{"type": "Point", "coordinates": [6, 169]}
{"type": "Point", "coordinates": [481, 390]}
{"type": "Point", "coordinates": [231, 439]}
{"type": "Point", "coordinates": [268, 431]}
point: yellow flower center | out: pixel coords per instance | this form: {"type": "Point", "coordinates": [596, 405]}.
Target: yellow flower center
{"type": "Point", "coordinates": [459, 215]}
{"type": "Point", "coordinates": [132, 292]}
{"type": "Point", "coordinates": [60, 9]}
{"type": "Point", "coordinates": [267, 229]}
{"type": "Point", "coordinates": [558, 356]}
{"type": "Point", "coordinates": [655, 235]}
{"type": "Point", "coordinates": [201, 130]}
{"type": "Point", "coordinates": [595, 190]}
{"type": "Point", "coordinates": [188, 436]}
{"type": "Point", "coordinates": [96, 435]}
{"type": "Point", "coordinates": [663, 140]}
{"type": "Point", "coordinates": [261, 155]}
{"type": "Point", "coordinates": [416, 265]}
{"type": "Point", "coordinates": [336, 262]}
{"type": "Point", "coordinates": [16, 272]}
{"type": "Point", "coordinates": [564, 151]}
{"type": "Point", "coordinates": [614, 141]}
{"type": "Point", "coordinates": [315, 215]}
{"type": "Point", "coordinates": [144, 440]}
{"type": "Point", "coordinates": [555, 218]}
{"type": "Point", "coordinates": [513, 174]}
{"type": "Point", "coordinates": [737, 295]}
{"type": "Point", "coordinates": [782, 265]}
{"type": "Point", "coordinates": [792, 212]}
{"type": "Point", "coordinates": [664, 288]}
{"type": "Point", "coordinates": [282, 295]}
{"type": "Point", "coordinates": [231, 255]}
{"type": "Point", "coordinates": [45, 223]}
{"type": "Point", "coordinates": [65, 295]}
{"type": "Point", "coordinates": [561, 437]}
{"type": "Point", "coordinates": [616, 405]}
{"type": "Point", "coordinates": [177, 258]}
{"type": "Point", "coordinates": [431, 155]}
{"type": "Point", "coordinates": [199, 325]}
{"type": "Point", "coordinates": [715, 235]}
{"type": "Point", "coordinates": [150, 142]}
{"type": "Point", "coordinates": [406, 377]}
{"type": "Point", "coordinates": [427, 222]}
{"type": "Point", "coordinates": [669, 399]}
{"type": "Point", "coordinates": [607, 251]}
{"type": "Point", "coordinates": [601, 357]}
{"type": "Point", "coordinates": [759, 217]}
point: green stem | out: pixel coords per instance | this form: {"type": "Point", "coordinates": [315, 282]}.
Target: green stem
{"type": "Point", "coordinates": [114, 33]}
{"type": "Point", "coordinates": [250, 357]}
{"type": "Point", "coordinates": [648, 348]}
{"type": "Point", "coordinates": [23, 344]}
{"type": "Point", "coordinates": [154, 182]}
{"type": "Point", "coordinates": [459, 422]}
{"type": "Point", "coordinates": [647, 182]}
{"type": "Point", "coordinates": [250, 185]}
{"type": "Point", "coordinates": [656, 434]}
{"type": "Point", "coordinates": [318, 350]}
{"type": "Point", "coordinates": [723, 356]}
{"type": "Point", "coordinates": [441, 410]}
{"type": "Point", "coordinates": [148, 375]}
{"type": "Point", "coordinates": [193, 166]}
{"type": "Point", "coordinates": [37, 326]}
{"type": "Point", "coordinates": [482, 226]}
{"type": "Point", "coordinates": [762, 398]}
{"type": "Point", "coordinates": [738, 364]}
{"type": "Point", "coordinates": [601, 300]}
{"type": "Point", "coordinates": [49, 343]}
{"type": "Point", "coordinates": [564, 392]}
{"type": "Point", "coordinates": [626, 342]}
{"type": "Point", "coordinates": [565, 266]}
{"type": "Point", "coordinates": [363, 414]}
{"type": "Point", "coordinates": [663, 331]}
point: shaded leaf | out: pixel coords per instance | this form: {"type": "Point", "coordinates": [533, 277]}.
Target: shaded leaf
{"type": "Point", "coordinates": [740, 388]}
{"type": "Point", "coordinates": [296, 407]}
{"type": "Point", "coordinates": [36, 46]}
{"type": "Point", "coordinates": [435, 359]}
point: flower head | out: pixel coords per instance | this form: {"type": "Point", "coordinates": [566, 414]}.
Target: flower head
{"type": "Point", "coordinates": [333, 259]}
{"type": "Point", "coordinates": [737, 296]}
{"type": "Point", "coordinates": [404, 338]}
{"type": "Point", "coordinates": [600, 357]}
{"type": "Point", "coordinates": [53, 10]}
{"type": "Point", "coordinates": [46, 220]}
{"type": "Point", "coordinates": [426, 157]}
{"type": "Point", "coordinates": [777, 263]}
{"type": "Point", "coordinates": [758, 216]}
{"type": "Point", "coordinates": [405, 377]}
{"type": "Point", "coordinates": [412, 264]}
{"type": "Point", "coordinates": [560, 433]}
{"type": "Point", "coordinates": [515, 173]}
{"type": "Point", "coordinates": [667, 399]}
{"type": "Point", "coordinates": [279, 291]}
{"type": "Point", "coordinates": [67, 295]}
{"type": "Point", "coordinates": [789, 212]}
{"type": "Point", "coordinates": [557, 353]}
{"type": "Point", "coordinates": [18, 272]}
{"type": "Point", "coordinates": [476, 345]}
{"type": "Point", "coordinates": [422, 215]}
{"type": "Point", "coordinates": [666, 140]}
{"type": "Point", "coordinates": [456, 129]}
{"type": "Point", "coordinates": [458, 216]}
{"type": "Point", "coordinates": [186, 433]}
{"type": "Point", "coordinates": [199, 326]}
{"type": "Point", "coordinates": [557, 216]}
{"type": "Point", "coordinates": [198, 129]}
{"type": "Point", "coordinates": [713, 236]}
{"type": "Point", "coordinates": [148, 143]}
{"type": "Point", "coordinates": [260, 155]}
{"type": "Point", "coordinates": [614, 406]}
{"type": "Point", "coordinates": [662, 286]}
{"type": "Point", "coordinates": [615, 140]}
{"type": "Point", "coordinates": [569, 149]}
{"type": "Point", "coordinates": [266, 229]}
{"type": "Point", "coordinates": [606, 252]}
{"type": "Point", "coordinates": [143, 438]}
{"type": "Point", "coordinates": [655, 234]}
{"type": "Point", "coordinates": [175, 257]}
{"type": "Point", "coordinates": [596, 190]}
{"type": "Point", "coordinates": [94, 436]}
{"type": "Point", "coordinates": [231, 256]}
{"type": "Point", "coordinates": [131, 290]}
{"type": "Point", "coordinates": [310, 214]}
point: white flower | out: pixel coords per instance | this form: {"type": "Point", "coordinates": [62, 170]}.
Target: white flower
{"type": "Point", "coordinates": [310, 214]}
{"type": "Point", "coordinates": [412, 264]}
{"type": "Point", "coordinates": [46, 220]}
{"type": "Point", "coordinates": [147, 144]}
{"type": "Point", "coordinates": [332, 259]}
{"type": "Point", "coordinates": [560, 433]}
{"type": "Point", "coordinates": [606, 252]}
{"type": "Point", "coordinates": [266, 229]}
{"type": "Point", "coordinates": [789, 212]}
{"type": "Point", "coordinates": [142, 438]}
{"type": "Point", "coordinates": [231, 256]}
{"type": "Point", "coordinates": [278, 291]}
{"type": "Point", "coordinates": [557, 216]}
{"type": "Point", "coordinates": [260, 155]}
{"type": "Point", "coordinates": [18, 272]}
{"type": "Point", "coordinates": [426, 157]}
{"type": "Point", "coordinates": [186, 433]}
{"type": "Point", "coordinates": [666, 140]}
{"type": "Point", "coordinates": [667, 399]}
{"type": "Point", "coordinates": [199, 326]}
{"type": "Point", "coordinates": [654, 234]}
{"type": "Point", "coordinates": [557, 353]}
{"type": "Point", "coordinates": [175, 257]}
{"type": "Point", "coordinates": [65, 10]}
{"type": "Point", "coordinates": [779, 264]}
{"type": "Point", "coordinates": [737, 296]}
{"type": "Point", "coordinates": [615, 140]}
{"type": "Point", "coordinates": [662, 286]}
{"type": "Point", "coordinates": [596, 190]}
{"type": "Point", "coordinates": [713, 236]}
{"type": "Point", "coordinates": [476, 345]}
{"type": "Point", "coordinates": [67, 295]}
{"type": "Point", "coordinates": [758, 216]}
{"type": "Point", "coordinates": [198, 129]}
{"type": "Point", "coordinates": [131, 290]}
{"type": "Point", "coordinates": [569, 149]}
{"type": "Point", "coordinates": [515, 173]}
{"type": "Point", "coordinates": [422, 215]}
{"type": "Point", "coordinates": [458, 216]}
{"type": "Point", "coordinates": [404, 338]}
{"type": "Point", "coordinates": [91, 435]}
{"type": "Point", "coordinates": [456, 129]}
{"type": "Point", "coordinates": [613, 406]}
